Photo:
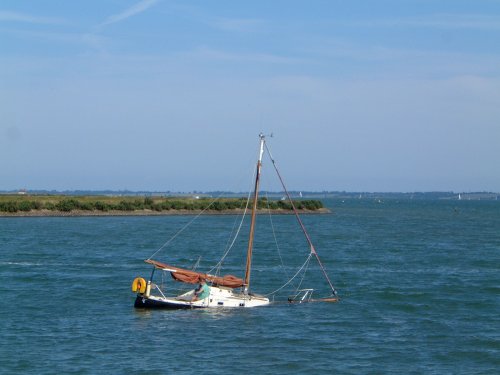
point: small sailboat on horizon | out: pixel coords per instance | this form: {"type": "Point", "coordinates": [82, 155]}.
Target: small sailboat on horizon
{"type": "Point", "coordinates": [225, 291]}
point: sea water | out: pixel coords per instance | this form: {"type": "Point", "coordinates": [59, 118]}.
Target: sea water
{"type": "Point", "coordinates": [419, 283]}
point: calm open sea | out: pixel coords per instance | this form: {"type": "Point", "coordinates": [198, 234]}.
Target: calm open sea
{"type": "Point", "coordinates": [419, 282]}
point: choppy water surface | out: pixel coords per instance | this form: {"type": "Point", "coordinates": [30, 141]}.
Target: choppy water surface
{"type": "Point", "coordinates": [419, 282]}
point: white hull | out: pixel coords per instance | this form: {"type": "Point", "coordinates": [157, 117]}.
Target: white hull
{"type": "Point", "coordinates": [219, 297]}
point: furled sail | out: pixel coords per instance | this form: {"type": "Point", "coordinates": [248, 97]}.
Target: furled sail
{"type": "Point", "coordinates": [193, 277]}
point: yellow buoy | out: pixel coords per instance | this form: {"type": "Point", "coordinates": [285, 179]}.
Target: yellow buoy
{"type": "Point", "coordinates": [139, 285]}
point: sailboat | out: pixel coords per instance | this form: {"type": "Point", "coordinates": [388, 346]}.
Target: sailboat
{"type": "Point", "coordinates": [228, 290]}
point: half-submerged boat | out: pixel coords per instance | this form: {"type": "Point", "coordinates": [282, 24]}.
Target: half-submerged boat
{"type": "Point", "coordinates": [229, 290]}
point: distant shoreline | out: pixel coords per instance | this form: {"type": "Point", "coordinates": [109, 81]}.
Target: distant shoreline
{"type": "Point", "coordinates": [83, 213]}
{"type": "Point", "coordinates": [52, 205]}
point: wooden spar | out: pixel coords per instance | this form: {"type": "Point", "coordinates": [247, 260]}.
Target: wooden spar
{"type": "Point", "coordinates": [193, 277]}
{"type": "Point", "coordinates": [254, 212]}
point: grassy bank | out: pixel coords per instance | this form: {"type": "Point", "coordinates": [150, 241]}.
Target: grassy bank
{"type": "Point", "coordinates": [19, 204]}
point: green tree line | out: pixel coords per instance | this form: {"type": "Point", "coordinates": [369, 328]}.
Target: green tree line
{"type": "Point", "coordinates": [147, 203]}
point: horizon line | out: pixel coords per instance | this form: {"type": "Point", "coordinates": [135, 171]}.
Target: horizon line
{"type": "Point", "coordinates": [195, 192]}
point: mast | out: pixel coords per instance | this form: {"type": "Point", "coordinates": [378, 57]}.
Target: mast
{"type": "Point", "coordinates": [254, 211]}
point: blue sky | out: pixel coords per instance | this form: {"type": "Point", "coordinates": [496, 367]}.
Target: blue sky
{"type": "Point", "coordinates": [393, 95]}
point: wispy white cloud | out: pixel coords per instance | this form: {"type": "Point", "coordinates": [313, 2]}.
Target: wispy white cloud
{"type": "Point", "coordinates": [382, 60]}
{"type": "Point", "coordinates": [441, 21]}
{"type": "Point", "coordinates": [96, 42]}
{"type": "Point", "coordinates": [129, 12]}
{"type": "Point", "coordinates": [8, 16]}
{"type": "Point", "coordinates": [206, 53]}
{"type": "Point", "coordinates": [456, 21]}
{"type": "Point", "coordinates": [44, 36]}
{"type": "Point", "coordinates": [239, 24]}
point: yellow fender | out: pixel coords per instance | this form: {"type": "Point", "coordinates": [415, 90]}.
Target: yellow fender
{"type": "Point", "coordinates": [139, 285]}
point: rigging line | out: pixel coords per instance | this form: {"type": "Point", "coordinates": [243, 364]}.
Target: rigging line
{"type": "Point", "coordinates": [275, 239]}
{"type": "Point", "coordinates": [313, 250]}
{"type": "Point", "coordinates": [303, 276]}
{"type": "Point", "coordinates": [219, 264]}
{"type": "Point", "coordinates": [235, 236]}
{"type": "Point", "coordinates": [184, 227]}
{"type": "Point", "coordinates": [195, 266]}
{"type": "Point", "coordinates": [227, 246]}
{"type": "Point", "coordinates": [294, 276]}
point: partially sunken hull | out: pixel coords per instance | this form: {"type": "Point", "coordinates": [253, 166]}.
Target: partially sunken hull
{"type": "Point", "coordinates": [227, 290]}
{"type": "Point", "coordinates": [143, 302]}
{"type": "Point", "coordinates": [219, 297]}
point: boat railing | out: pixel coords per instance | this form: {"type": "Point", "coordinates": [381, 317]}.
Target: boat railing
{"type": "Point", "coordinates": [157, 287]}
{"type": "Point", "coordinates": [176, 292]}
{"type": "Point", "coordinates": [302, 295]}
